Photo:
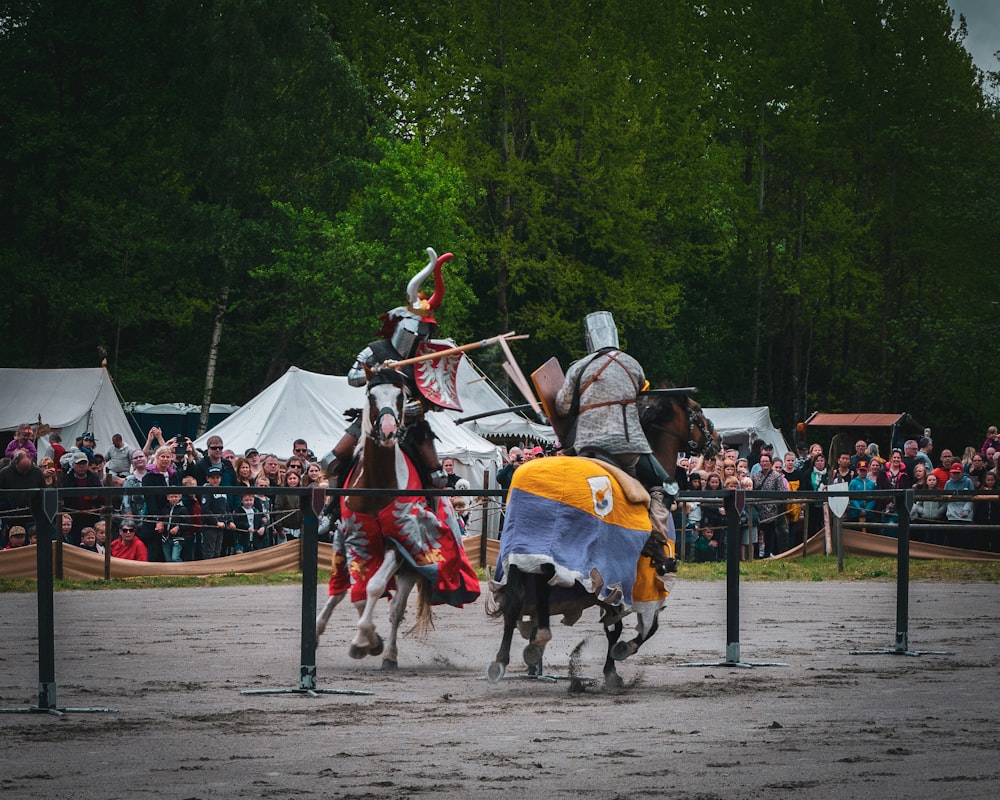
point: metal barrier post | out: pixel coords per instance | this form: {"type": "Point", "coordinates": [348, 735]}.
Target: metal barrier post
{"type": "Point", "coordinates": [312, 506]}
{"type": "Point", "coordinates": [734, 502]}
{"type": "Point", "coordinates": [44, 506]}
{"type": "Point", "coordinates": [904, 503]}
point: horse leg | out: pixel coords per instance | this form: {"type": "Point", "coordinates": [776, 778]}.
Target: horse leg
{"type": "Point", "coordinates": [542, 635]}
{"type": "Point", "coordinates": [366, 641]}
{"type": "Point", "coordinates": [405, 581]}
{"type": "Point", "coordinates": [511, 600]}
{"type": "Point", "coordinates": [648, 622]}
{"type": "Point", "coordinates": [612, 680]}
{"type": "Point", "coordinates": [324, 615]}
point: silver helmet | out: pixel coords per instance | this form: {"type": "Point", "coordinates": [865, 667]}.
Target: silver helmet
{"type": "Point", "coordinates": [600, 331]}
{"type": "Point", "coordinates": [410, 331]}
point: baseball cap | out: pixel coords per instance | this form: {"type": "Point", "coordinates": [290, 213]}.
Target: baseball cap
{"type": "Point", "coordinates": [214, 470]}
{"type": "Point", "coordinates": [956, 467]}
{"type": "Point", "coordinates": [863, 465]}
{"type": "Point", "coordinates": [250, 451]}
{"type": "Point", "coordinates": [81, 457]}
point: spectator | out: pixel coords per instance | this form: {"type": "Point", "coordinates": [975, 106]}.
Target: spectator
{"type": "Point", "coordinates": [713, 519]}
{"type": "Point", "coordinates": [960, 508]}
{"type": "Point", "coordinates": [215, 517]}
{"type": "Point", "coordinates": [793, 511]}
{"type": "Point", "coordinates": [56, 450]}
{"type": "Point", "coordinates": [88, 444]}
{"type": "Point", "coordinates": [22, 441]}
{"type": "Point", "coordinates": [101, 535]}
{"type": "Point", "coordinates": [986, 512]}
{"type": "Point", "coordinates": [16, 537]}
{"type": "Point", "coordinates": [20, 474]}
{"type": "Point", "coordinates": [214, 456]}
{"type": "Point", "coordinates": [134, 503]}
{"type": "Point", "coordinates": [301, 449]}
{"type": "Point", "coordinates": [705, 546]}
{"type": "Point", "coordinates": [153, 530]}
{"type": "Point", "coordinates": [64, 527]}
{"type": "Point", "coordinates": [119, 456]}
{"type": "Point", "coordinates": [313, 474]}
{"type": "Point", "coordinates": [271, 467]}
{"type": "Point", "coordinates": [88, 539]}
{"type": "Point", "coordinates": [693, 513]}
{"type": "Point", "coordinates": [860, 509]}
{"type": "Point", "coordinates": [129, 546]}
{"type": "Point", "coordinates": [860, 454]}
{"type": "Point", "coordinates": [930, 511]}
{"type": "Point", "coordinates": [191, 550]}
{"type": "Point", "coordinates": [925, 446]}
{"type": "Point", "coordinates": [892, 477]}
{"type": "Point", "coordinates": [448, 465]}
{"type": "Point", "coordinates": [249, 523]}
{"type": "Point", "coordinates": [943, 472]}
{"type": "Point", "coordinates": [252, 456]}
{"type": "Point", "coordinates": [83, 507]}
{"type": "Point", "coordinates": [287, 508]}
{"type": "Point", "coordinates": [506, 473]}
{"type": "Point", "coordinates": [992, 440]}
{"type": "Point", "coordinates": [176, 528]}
{"type": "Point", "coordinates": [814, 477]}
{"type": "Point", "coordinates": [977, 469]}
{"type": "Point", "coordinates": [243, 478]}
{"type": "Point", "coordinates": [264, 503]}
{"type": "Point", "coordinates": [49, 472]}
{"type": "Point", "coordinates": [767, 480]}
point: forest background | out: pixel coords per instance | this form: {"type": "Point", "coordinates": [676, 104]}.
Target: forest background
{"type": "Point", "coordinates": [789, 203]}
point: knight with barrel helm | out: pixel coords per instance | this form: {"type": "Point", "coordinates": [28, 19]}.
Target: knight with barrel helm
{"type": "Point", "coordinates": [403, 330]}
{"type": "Point", "coordinates": [598, 401]}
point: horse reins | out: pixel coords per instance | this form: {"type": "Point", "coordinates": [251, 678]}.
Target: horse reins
{"type": "Point", "coordinates": [695, 422]}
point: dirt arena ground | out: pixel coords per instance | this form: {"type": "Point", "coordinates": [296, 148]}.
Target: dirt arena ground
{"type": "Point", "coordinates": [830, 724]}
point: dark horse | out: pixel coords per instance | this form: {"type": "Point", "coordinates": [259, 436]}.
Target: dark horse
{"type": "Point", "coordinates": [541, 583]}
{"type": "Point", "coordinates": [410, 539]}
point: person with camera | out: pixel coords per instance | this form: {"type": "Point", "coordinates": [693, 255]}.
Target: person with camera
{"type": "Point", "coordinates": [506, 473]}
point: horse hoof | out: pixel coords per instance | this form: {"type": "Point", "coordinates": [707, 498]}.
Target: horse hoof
{"type": "Point", "coordinates": [532, 655]}
{"type": "Point", "coordinates": [495, 672]}
{"type": "Point", "coordinates": [377, 648]}
{"type": "Point", "coordinates": [577, 686]}
{"type": "Point", "coordinates": [355, 651]}
{"type": "Point", "coordinates": [621, 651]}
{"type": "Point", "coordinates": [613, 682]}
{"type": "Point", "coordinates": [389, 665]}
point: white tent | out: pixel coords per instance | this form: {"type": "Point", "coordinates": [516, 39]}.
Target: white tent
{"type": "Point", "coordinates": [70, 401]}
{"type": "Point", "coordinates": [478, 394]}
{"type": "Point", "coordinates": [311, 406]}
{"type": "Point", "coordinates": [740, 427]}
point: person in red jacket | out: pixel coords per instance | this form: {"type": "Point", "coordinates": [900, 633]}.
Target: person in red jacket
{"type": "Point", "coordinates": [129, 546]}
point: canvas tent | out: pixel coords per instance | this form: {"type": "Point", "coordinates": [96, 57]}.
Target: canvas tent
{"type": "Point", "coordinates": [478, 394]}
{"type": "Point", "coordinates": [740, 427]}
{"type": "Point", "coordinates": [311, 406]}
{"type": "Point", "coordinates": [71, 401]}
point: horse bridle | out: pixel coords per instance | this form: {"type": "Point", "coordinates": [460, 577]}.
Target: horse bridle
{"type": "Point", "coordinates": [696, 422]}
{"type": "Point", "coordinates": [374, 431]}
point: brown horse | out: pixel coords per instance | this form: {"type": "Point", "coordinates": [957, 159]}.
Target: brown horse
{"type": "Point", "coordinates": [536, 578]}
{"type": "Point", "coordinates": [408, 539]}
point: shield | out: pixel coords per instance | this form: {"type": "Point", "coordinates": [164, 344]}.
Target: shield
{"type": "Point", "coordinates": [437, 378]}
{"type": "Point", "coordinates": [838, 502]}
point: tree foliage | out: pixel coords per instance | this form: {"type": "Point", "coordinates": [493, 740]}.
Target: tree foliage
{"type": "Point", "coordinates": [789, 204]}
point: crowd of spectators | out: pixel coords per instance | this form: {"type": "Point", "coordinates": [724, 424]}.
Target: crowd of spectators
{"type": "Point", "coordinates": [201, 522]}
{"type": "Point", "coordinates": [198, 521]}
{"type": "Point", "coordinates": [970, 521]}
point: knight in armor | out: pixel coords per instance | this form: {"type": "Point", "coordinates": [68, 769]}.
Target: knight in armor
{"type": "Point", "coordinates": [403, 330]}
{"type": "Point", "coordinates": [599, 397]}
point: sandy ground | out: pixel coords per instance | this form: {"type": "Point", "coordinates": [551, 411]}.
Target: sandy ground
{"type": "Point", "coordinates": [830, 724]}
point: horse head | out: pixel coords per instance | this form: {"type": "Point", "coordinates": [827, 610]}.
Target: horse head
{"type": "Point", "coordinates": [675, 422]}
{"type": "Point", "coordinates": [384, 413]}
